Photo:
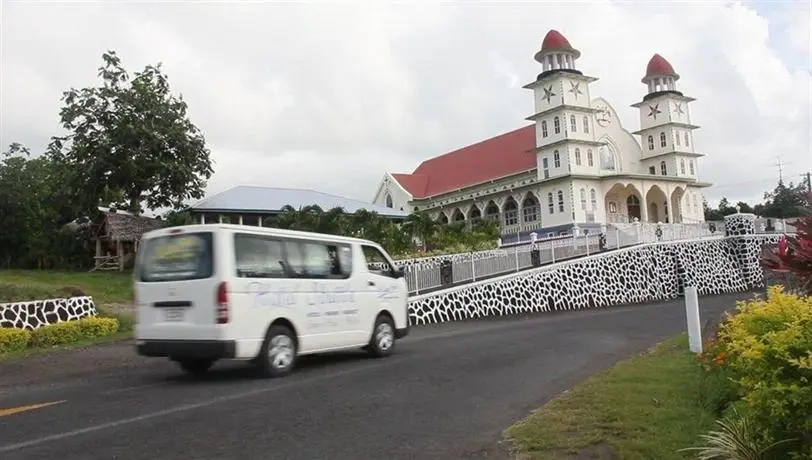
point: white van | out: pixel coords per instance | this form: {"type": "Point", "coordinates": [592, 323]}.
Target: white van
{"type": "Point", "coordinates": [265, 295]}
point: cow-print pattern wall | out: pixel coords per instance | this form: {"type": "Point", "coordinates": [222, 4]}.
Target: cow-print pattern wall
{"type": "Point", "coordinates": [37, 313]}
{"type": "Point", "coordinates": [633, 275]}
{"type": "Point", "coordinates": [740, 224]}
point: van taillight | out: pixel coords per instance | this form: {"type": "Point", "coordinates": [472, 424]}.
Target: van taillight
{"type": "Point", "coordinates": [222, 303]}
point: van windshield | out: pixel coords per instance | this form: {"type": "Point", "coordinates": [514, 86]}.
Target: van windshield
{"type": "Point", "coordinates": [186, 256]}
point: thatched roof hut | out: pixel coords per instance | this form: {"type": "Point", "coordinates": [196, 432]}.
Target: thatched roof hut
{"type": "Point", "coordinates": [125, 227]}
{"type": "Point", "coordinates": [117, 235]}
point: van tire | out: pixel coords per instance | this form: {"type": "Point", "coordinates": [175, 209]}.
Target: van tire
{"type": "Point", "coordinates": [196, 367]}
{"type": "Point", "coordinates": [382, 342]}
{"type": "Point", "coordinates": [280, 340]}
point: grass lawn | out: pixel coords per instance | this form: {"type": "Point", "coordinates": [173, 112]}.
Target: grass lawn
{"type": "Point", "coordinates": [646, 407]}
{"type": "Point", "coordinates": [105, 287]}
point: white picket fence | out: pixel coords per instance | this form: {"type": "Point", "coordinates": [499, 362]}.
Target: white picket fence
{"type": "Point", "coordinates": [425, 274]}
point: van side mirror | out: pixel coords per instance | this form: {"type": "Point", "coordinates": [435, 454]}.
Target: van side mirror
{"type": "Point", "coordinates": [398, 272]}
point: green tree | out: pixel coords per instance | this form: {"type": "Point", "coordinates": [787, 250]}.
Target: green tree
{"type": "Point", "coordinates": [130, 139]}
{"type": "Point", "coordinates": [34, 210]}
{"type": "Point", "coordinates": [421, 226]}
{"type": "Point", "coordinates": [785, 201]}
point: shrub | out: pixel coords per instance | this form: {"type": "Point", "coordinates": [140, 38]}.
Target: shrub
{"type": "Point", "coordinates": [73, 331]}
{"type": "Point", "coordinates": [767, 345]}
{"type": "Point", "coordinates": [12, 339]}
{"type": "Point", "coordinates": [796, 256]}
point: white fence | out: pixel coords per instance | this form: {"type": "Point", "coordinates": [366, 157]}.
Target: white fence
{"type": "Point", "coordinates": [427, 274]}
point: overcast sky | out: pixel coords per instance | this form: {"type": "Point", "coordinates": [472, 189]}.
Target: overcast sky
{"type": "Point", "coordinates": [331, 95]}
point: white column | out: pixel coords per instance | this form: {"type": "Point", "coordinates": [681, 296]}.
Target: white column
{"type": "Point", "coordinates": [239, 220]}
{"type": "Point", "coordinates": [202, 218]}
{"type": "Point", "coordinates": [692, 316]}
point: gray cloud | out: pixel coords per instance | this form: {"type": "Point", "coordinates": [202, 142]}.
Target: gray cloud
{"type": "Point", "coordinates": [332, 96]}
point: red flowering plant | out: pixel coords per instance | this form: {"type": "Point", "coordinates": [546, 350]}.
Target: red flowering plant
{"type": "Point", "coordinates": [793, 255]}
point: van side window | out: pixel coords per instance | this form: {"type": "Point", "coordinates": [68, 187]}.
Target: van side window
{"type": "Point", "coordinates": [258, 256]}
{"type": "Point", "coordinates": [376, 261]}
{"type": "Point", "coordinates": [265, 257]}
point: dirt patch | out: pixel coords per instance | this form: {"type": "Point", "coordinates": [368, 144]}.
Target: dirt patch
{"type": "Point", "coordinates": [127, 309]}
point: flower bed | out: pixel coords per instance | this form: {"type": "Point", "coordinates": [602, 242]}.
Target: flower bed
{"type": "Point", "coordinates": [758, 379]}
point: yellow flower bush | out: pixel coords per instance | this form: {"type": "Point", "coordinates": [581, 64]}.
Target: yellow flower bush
{"type": "Point", "coordinates": [12, 339]}
{"type": "Point", "coordinates": [767, 347]}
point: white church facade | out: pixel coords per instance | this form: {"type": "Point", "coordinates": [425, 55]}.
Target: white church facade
{"type": "Point", "coordinates": [575, 166]}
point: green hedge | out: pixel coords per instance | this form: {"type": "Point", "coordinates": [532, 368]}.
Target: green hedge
{"type": "Point", "coordinates": [12, 339]}
{"type": "Point", "coordinates": [90, 328]}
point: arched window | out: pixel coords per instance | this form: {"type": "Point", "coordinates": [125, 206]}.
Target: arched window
{"type": "Point", "coordinates": [560, 201]}
{"type": "Point", "coordinates": [589, 161]}
{"type": "Point", "coordinates": [583, 199]}
{"type": "Point", "coordinates": [556, 159]}
{"type": "Point", "coordinates": [586, 124]}
{"type": "Point", "coordinates": [650, 142]}
{"type": "Point", "coordinates": [550, 203]}
{"type": "Point", "coordinates": [686, 139]}
{"type": "Point", "coordinates": [573, 124]}
{"type": "Point", "coordinates": [577, 157]}
{"type": "Point", "coordinates": [663, 169]}
{"type": "Point", "coordinates": [593, 199]}
{"type": "Point", "coordinates": [691, 166]}
{"type": "Point", "coordinates": [682, 166]}
{"type": "Point", "coordinates": [556, 125]}
{"type": "Point", "coordinates": [663, 141]}
{"type": "Point", "coordinates": [544, 128]}
{"type": "Point", "coordinates": [389, 203]}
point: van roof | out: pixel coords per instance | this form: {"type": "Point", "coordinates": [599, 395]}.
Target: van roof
{"type": "Point", "coordinates": [257, 229]}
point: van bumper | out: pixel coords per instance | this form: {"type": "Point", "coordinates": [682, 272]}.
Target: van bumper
{"type": "Point", "coordinates": [402, 332]}
{"type": "Point", "coordinates": [213, 349]}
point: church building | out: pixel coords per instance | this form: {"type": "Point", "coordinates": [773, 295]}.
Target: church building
{"type": "Point", "coordinates": [576, 165]}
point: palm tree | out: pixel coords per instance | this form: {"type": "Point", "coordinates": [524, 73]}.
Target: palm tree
{"type": "Point", "coordinates": [421, 226]}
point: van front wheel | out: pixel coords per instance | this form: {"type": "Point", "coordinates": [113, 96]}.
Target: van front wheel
{"type": "Point", "coordinates": [196, 366]}
{"type": "Point", "coordinates": [383, 337]}
{"type": "Point", "coordinates": [278, 353]}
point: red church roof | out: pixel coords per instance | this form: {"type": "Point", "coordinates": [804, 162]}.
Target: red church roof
{"type": "Point", "coordinates": [500, 156]}
{"type": "Point", "coordinates": [658, 66]}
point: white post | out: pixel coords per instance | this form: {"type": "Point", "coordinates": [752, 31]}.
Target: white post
{"type": "Point", "coordinates": [516, 253]}
{"type": "Point", "coordinates": [692, 315]}
{"type": "Point", "coordinates": [617, 237]}
{"type": "Point", "coordinates": [416, 281]}
{"type": "Point", "coordinates": [552, 251]}
{"type": "Point", "coordinates": [473, 268]}
{"type": "Point", "coordinates": [586, 241]}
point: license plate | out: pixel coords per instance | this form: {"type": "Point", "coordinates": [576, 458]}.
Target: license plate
{"type": "Point", "coordinates": [173, 314]}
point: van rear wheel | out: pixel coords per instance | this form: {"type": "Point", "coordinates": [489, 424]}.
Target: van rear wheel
{"type": "Point", "coordinates": [196, 366]}
{"type": "Point", "coordinates": [382, 342]}
{"type": "Point", "coordinates": [278, 353]}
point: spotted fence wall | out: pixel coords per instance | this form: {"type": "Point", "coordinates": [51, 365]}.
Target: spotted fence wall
{"type": "Point", "coordinates": [37, 313]}
{"type": "Point", "coordinates": [644, 273]}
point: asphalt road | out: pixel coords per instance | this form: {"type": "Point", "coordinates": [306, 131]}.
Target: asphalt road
{"type": "Point", "coordinates": [447, 393]}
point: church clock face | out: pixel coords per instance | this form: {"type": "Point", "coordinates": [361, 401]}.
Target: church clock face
{"type": "Point", "coordinates": [603, 117]}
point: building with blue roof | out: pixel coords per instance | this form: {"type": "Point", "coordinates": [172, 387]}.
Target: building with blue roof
{"type": "Point", "coordinates": [249, 205]}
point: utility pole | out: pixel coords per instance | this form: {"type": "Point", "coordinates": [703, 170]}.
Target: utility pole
{"type": "Point", "coordinates": [809, 182]}
{"type": "Point", "coordinates": [780, 165]}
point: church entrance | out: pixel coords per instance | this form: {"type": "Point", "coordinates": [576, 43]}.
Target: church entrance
{"type": "Point", "coordinates": [633, 207]}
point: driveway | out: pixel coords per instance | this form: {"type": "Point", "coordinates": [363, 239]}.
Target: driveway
{"type": "Point", "coordinates": [447, 393]}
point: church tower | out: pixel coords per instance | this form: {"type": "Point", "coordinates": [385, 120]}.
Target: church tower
{"type": "Point", "coordinates": [565, 127]}
{"type": "Point", "coordinates": [666, 132]}
{"type": "Point", "coordinates": [565, 119]}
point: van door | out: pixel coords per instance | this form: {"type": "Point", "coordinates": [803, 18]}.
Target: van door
{"type": "Point", "coordinates": [176, 288]}
{"type": "Point", "coordinates": [383, 288]}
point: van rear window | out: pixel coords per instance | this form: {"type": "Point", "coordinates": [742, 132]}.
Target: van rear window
{"type": "Point", "coordinates": [177, 257]}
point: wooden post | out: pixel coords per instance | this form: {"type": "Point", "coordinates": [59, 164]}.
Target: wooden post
{"type": "Point", "coordinates": [98, 252]}
{"type": "Point", "coordinates": [119, 251]}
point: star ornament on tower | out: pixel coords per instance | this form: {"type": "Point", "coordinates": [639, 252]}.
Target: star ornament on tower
{"type": "Point", "coordinates": [653, 111]}
{"type": "Point", "coordinates": [575, 88]}
{"type": "Point", "coordinates": [548, 93]}
{"type": "Point", "coordinates": [678, 109]}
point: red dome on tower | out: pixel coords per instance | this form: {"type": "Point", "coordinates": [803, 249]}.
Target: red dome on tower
{"type": "Point", "coordinates": [658, 66]}
{"type": "Point", "coordinates": [555, 41]}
